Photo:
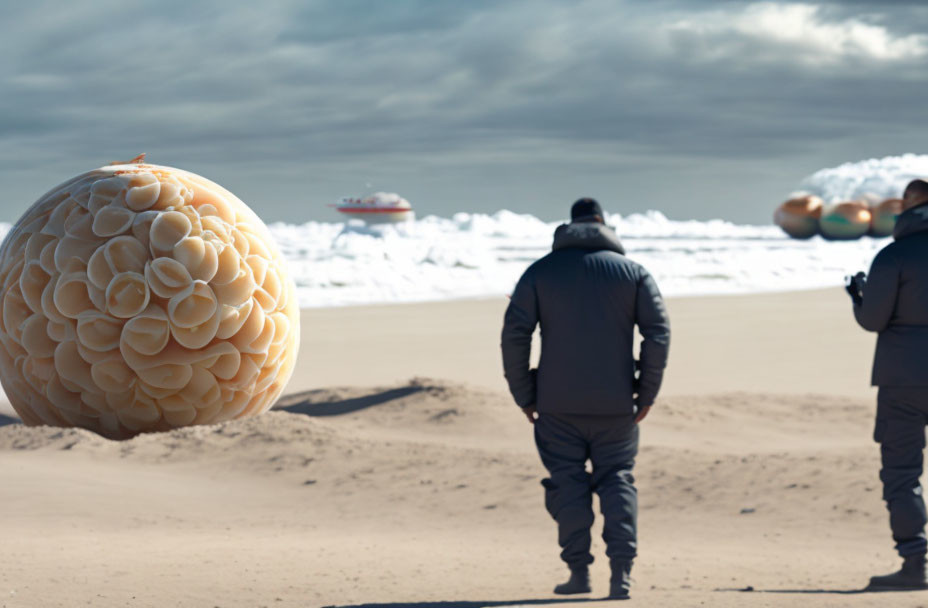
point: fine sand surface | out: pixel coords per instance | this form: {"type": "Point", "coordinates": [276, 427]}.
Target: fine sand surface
{"type": "Point", "coordinates": [398, 472]}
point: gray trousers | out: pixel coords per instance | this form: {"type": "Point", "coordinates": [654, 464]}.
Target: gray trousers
{"type": "Point", "coordinates": [565, 443]}
{"type": "Point", "coordinates": [902, 414]}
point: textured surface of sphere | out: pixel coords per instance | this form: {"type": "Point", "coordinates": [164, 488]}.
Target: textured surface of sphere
{"type": "Point", "coordinates": [142, 298]}
{"type": "Point", "coordinates": [846, 221]}
{"type": "Point", "coordinates": [884, 216]}
{"type": "Point", "coordinates": [798, 217]}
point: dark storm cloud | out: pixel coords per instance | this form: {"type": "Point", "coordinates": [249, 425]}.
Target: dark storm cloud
{"type": "Point", "coordinates": [461, 103]}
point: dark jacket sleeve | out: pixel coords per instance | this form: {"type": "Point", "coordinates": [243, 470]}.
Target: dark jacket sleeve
{"type": "Point", "coordinates": [518, 327]}
{"type": "Point", "coordinates": [879, 292]}
{"type": "Point", "coordinates": [654, 325]}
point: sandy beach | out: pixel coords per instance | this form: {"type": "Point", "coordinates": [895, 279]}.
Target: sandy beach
{"type": "Point", "coordinates": [396, 471]}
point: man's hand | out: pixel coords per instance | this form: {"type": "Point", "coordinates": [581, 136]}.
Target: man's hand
{"type": "Point", "coordinates": [642, 414]}
{"type": "Point", "coordinates": [854, 285]}
{"type": "Point", "coordinates": [530, 413]}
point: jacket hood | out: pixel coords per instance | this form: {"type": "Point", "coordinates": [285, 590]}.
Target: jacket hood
{"type": "Point", "coordinates": [589, 235]}
{"type": "Point", "coordinates": [911, 221]}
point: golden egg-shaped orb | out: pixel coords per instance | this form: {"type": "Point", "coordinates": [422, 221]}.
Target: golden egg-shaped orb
{"type": "Point", "coordinates": [142, 298]}
{"type": "Point", "coordinates": [799, 217]}
{"type": "Point", "coordinates": [884, 214]}
{"type": "Point", "coordinates": [845, 221]}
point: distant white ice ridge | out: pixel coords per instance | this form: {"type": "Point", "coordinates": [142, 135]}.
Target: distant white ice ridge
{"type": "Point", "coordinates": [475, 255]}
{"type": "Point", "coordinates": [883, 177]}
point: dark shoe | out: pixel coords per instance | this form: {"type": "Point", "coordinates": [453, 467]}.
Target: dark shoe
{"type": "Point", "coordinates": [579, 582]}
{"type": "Point", "coordinates": [621, 580]}
{"type": "Point", "coordinates": [912, 576]}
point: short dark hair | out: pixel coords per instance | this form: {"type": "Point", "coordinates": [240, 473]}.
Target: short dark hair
{"type": "Point", "coordinates": [586, 210]}
{"type": "Point", "coordinates": [916, 187]}
{"type": "Point", "coordinates": [916, 193]}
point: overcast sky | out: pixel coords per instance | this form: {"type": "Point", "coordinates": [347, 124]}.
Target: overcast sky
{"type": "Point", "coordinates": [700, 109]}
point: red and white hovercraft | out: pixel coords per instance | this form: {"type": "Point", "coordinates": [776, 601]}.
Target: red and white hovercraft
{"type": "Point", "coordinates": [379, 207]}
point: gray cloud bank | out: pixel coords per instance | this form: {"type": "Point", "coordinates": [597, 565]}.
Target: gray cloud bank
{"type": "Point", "coordinates": [700, 109]}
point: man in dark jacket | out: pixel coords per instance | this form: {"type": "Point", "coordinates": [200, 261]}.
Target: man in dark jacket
{"type": "Point", "coordinates": [893, 301]}
{"type": "Point", "coordinates": [587, 297]}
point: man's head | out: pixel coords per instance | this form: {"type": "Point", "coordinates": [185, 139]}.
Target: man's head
{"type": "Point", "coordinates": [587, 210]}
{"type": "Point", "coordinates": [915, 194]}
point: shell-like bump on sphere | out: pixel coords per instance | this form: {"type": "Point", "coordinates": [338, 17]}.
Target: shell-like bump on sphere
{"type": "Point", "coordinates": [141, 298]}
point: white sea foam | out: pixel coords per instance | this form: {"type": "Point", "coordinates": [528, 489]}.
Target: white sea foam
{"type": "Point", "coordinates": [476, 255]}
{"type": "Point", "coordinates": [884, 177]}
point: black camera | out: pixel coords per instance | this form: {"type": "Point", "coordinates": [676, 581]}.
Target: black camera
{"type": "Point", "coordinates": [854, 285]}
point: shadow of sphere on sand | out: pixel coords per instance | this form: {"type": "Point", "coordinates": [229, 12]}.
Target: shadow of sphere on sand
{"type": "Point", "coordinates": [303, 403]}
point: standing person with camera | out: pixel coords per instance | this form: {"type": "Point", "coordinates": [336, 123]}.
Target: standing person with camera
{"type": "Point", "coordinates": [893, 300]}
{"type": "Point", "coordinates": [585, 400]}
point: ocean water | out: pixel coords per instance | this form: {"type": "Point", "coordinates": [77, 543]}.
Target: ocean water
{"type": "Point", "coordinates": [477, 255]}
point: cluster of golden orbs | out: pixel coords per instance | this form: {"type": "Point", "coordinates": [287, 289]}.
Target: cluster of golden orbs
{"type": "Point", "coordinates": [142, 298]}
{"type": "Point", "coordinates": [806, 216]}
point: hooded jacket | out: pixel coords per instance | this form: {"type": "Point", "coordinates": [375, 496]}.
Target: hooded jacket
{"type": "Point", "coordinates": [895, 303]}
{"type": "Point", "coordinates": [587, 297]}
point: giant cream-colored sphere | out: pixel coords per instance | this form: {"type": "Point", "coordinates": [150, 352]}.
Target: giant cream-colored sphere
{"type": "Point", "coordinates": [143, 298]}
